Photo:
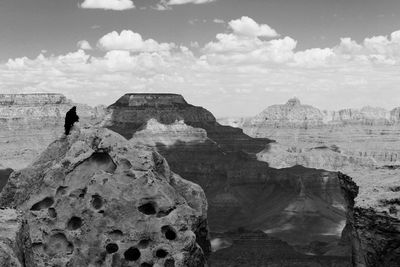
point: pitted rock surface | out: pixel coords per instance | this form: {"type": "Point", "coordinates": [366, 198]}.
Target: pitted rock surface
{"type": "Point", "coordinates": [94, 199]}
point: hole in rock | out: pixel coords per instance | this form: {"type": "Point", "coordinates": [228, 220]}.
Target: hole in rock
{"type": "Point", "coordinates": [58, 244]}
{"type": "Point", "coordinates": [144, 243]}
{"type": "Point", "coordinates": [146, 264]}
{"type": "Point", "coordinates": [101, 211]}
{"type": "Point", "coordinates": [97, 202]}
{"type": "Point", "coordinates": [168, 232]}
{"type": "Point", "coordinates": [44, 204]}
{"type": "Point", "coordinates": [148, 208]}
{"type": "Point", "coordinates": [169, 263]}
{"type": "Point", "coordinates": [116, 234]}
{"type": "Point", "coordinates": [52, 212]}
{"type": "Point", "coordinates": [161, 253]}
{"type": "Point", "coordinates": [61, 190]}
{"type": "Point", "coordinates": [111, 248]}
{"type": "Point", "coordinates": [132, 254]}
{"type": "Point", "coordinates": [104, 161]}
{"type": "Point", "coordinates": [74, 223]}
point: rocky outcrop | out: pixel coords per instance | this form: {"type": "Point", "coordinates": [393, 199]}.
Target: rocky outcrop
{"type": "Point", "coordinates": [10, 239]}
{"type": "Point", "coordinates": [375, 235]}
{"type": "Point", "coordinates": [298, 205]}
{"type": "Point", "coordinates": [95, 199]}
{"type": "Point", "coordinates": [29, 122]}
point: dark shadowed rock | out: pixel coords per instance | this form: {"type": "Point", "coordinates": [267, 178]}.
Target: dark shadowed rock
{"type": "Point", "coordinates": [298, 204]}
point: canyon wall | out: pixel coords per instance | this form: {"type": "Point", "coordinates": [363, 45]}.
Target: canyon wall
{"type": "Point", "coordinates": [29, 122]}
{"type": "Point", "coordinates": [364, 144]}
{"type": "Point", "coordinates": [298, 205]}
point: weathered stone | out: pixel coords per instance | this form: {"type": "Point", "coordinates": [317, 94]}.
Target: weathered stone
{"type": "Point", "coordinates": [94, 199]}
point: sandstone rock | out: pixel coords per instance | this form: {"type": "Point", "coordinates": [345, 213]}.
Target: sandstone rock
{"type": "Point", "coordinates": [94, 199]}
{"type": "Point", "coordinates": [154, 133]}
{"type": "Point", "coordinates": [10, 230]}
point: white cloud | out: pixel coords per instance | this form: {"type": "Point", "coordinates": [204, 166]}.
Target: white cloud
{"type": "Point", "coordinates": [84, 45]}
{"type": "Point", "coordinates": [218, 21]}
{"type": "Point", "coordinates": [224, 76]}
{"type": "Point", "coordinates": [108, 4]}
{"type": "Point", "coordinates": [248, 27]}
{"type": "Point", "coordinates": [131, 41]}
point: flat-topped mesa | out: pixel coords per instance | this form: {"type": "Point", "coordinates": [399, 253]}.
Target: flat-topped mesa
{"type": "Point", "coordinates": [152, 100]}
{"type": "Point", "coordinates": [32, 99]}
{"type": "Point", "coordinates": [131, 112]}
{"type": "Point", "coordinates": [290, 115]}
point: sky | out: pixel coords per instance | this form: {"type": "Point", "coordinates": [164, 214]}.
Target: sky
{"type": "Point", "coordinates": [233, 57]}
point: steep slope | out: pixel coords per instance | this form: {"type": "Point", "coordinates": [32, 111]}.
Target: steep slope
{"type": "Point", "coordinates": [297, 204]}
{"type": "Point", "coordinates": [29, 122]}
{"type": "Point", "coordinates": [94, 199]}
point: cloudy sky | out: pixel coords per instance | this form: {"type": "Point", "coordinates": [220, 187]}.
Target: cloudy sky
{"type": "Point", "coordinates": [234, 57]}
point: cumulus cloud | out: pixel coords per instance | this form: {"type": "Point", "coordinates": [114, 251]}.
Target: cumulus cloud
{"type": "Point", "coordinates": [131, 41]}
{"type": "Point", "coordinates": [224, 75]}
{"type": "Point", "coordinates": [108, 4]}
{"type": "Point", "coordinates": [84, 45]}
{"type": "Point", "coordinates": [248, 27]}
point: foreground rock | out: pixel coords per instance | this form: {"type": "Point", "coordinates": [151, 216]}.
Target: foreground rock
{"type": "Point", "coordinates": [94, 199]}
{"type": "Point", "coordinates": [30, 122]}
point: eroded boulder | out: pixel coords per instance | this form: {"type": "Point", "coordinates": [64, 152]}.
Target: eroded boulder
{"type": "Point", "coordinates": [94, 199]}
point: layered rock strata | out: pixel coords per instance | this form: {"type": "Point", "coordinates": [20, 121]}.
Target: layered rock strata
{"type": "Point", "coordinates": [29, 122]}
{"type": "Point", "coordinates": [94, 199]}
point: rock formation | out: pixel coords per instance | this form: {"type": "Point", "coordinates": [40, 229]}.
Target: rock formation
{"type": "Point", "coordinates": [364, 144]}
{"type": "Point", "coordinates": [298, 205]}
{"type": "Point", "coordinates": [293, 114]}
{"type": "Point", "coordinates": [95, 199]}
{"type": "Point", "coordinates": [30, 122]}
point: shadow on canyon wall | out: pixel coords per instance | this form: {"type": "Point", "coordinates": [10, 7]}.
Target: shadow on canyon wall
{"type": "Point", "coordinates": [301, 206]}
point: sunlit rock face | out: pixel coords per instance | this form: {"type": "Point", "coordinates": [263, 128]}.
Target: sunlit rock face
{"type": "Point", "coordinates": [298, 204]}
{"type": "Point", "coordinates": [95, 199]}
{"type": "Point", "coordinates": [29, 122]}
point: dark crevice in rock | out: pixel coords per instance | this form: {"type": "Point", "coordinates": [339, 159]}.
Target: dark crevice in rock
{"type": "Point", "coordinates": [111, 248]}
{"type": "Point", "coordinates": [168, 232]}
{"type": "Point", "coordinates": [161, 253]}
{"type": "Point", "coordinates": [97, 202]}
{"type": "Point", "coordinates": [148, 208]}
{"type": "Point", "coordinates": [43, 204]}
{"type": "Point", "coordinates": [132, 254]}
{"type": "Point", "coordinates": [74, 223]}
